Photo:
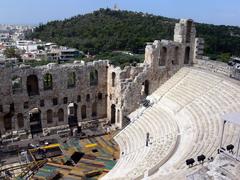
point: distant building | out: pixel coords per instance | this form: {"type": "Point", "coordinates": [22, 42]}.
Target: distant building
{"type": "Point", "coordinates": [68, 54]}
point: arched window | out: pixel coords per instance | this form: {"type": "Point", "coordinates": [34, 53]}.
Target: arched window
{"type": "Point", "coordinates": [88, 97]}
{"type": "Point", "coordinates": [94, 78]}
{"type": "Point", "coordinates": [113, 79]}
{"type": "Point", "coordinates": [32, 85]}
{"type": "Point", "coordinates": [94, 109]}
{"type": "Point", "coordinates": [187, 55]}
{"type": "Point", "coordinates": [100, 96]}
{"type": "Point", "coordinates": [83, 112]}
{"type": "Point", "coordinates": [49, 116]}
{"type": "Point", "coordinates": [176, 55]}
{"type": "Point", "coordinates": [47, 81]}
{"type": "Point", "coordinates": [163, 56]}
{"type": "Point", "coordinates": [113, 114]}
{"type": "Point", "coordinates": [71, 79]}
{"type": "Point", "coordinates": [60, 115]}
{"type": "Point", "coordinates": [20, 120]}
{"type": "Point", "coordinates": [16, 84]}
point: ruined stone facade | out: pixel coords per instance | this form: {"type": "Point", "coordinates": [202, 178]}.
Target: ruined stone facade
{"type": "Point", "coordinates": [69, 95]}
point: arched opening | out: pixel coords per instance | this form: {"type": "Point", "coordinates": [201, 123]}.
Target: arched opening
{"type": "Point", "coordinates": [113, 79]}
{"type": "Point", "coordinates": [32, 85]}
{"type": "Point", "coordinates": [163, 56]}
{"type": "Point", "coordinates": [88, 97]}
{"type": "Point", "coordinates": [176, 55]}
{"type": "Point", "coordinates": [94, 78]}
{"type": "Point", "coordinates": [60, 115]}
{"type": "Point", "coordinates": [47, 81]}
{"type": "Point", "coordinates": [35, 121]}
{"type": "Point", "coordinates": [71, 79]}
{"type": "Point", "coordinates": [72, 114]}
{"type": "Point", "coordinates": [49, 116]}
{"type": "Point", "coordinates": [187, 55]}
{"type": "Point", "coordinates": [145, 88]}
{"type": "Point", "coordinates": [16, 84]}
{"type": "Point", "coordinates": [84, 112]}
{"type": "Point", "coordinates": [100, 96]}
{"type": "Point", "coordinates": [189, 29]}
{"type": "Point", "coordinates": [113, 114]}
{"type": "Point", "coordinates": [94, 109]}
{"type": "Point", "coordinates": [7, 119]}
{"type": "Point", "coordinates": [20, 120]}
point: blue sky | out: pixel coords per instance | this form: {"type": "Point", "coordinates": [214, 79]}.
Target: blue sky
{"type": "Point", "coordinates": [40, 11]}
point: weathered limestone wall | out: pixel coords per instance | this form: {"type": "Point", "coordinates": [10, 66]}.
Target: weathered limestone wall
{"type": "Point", "coordinates": [60, 90]}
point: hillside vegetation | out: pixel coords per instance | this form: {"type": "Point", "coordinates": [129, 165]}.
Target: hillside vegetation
{"type": "Point", "coordinates": [106, 30]}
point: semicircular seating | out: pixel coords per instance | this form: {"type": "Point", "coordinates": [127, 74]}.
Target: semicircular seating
{"type": "Point", "coordinates": [186, 121]}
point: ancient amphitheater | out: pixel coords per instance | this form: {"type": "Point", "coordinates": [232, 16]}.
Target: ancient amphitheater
{"type": "Point", "coordinates": [169, 108]}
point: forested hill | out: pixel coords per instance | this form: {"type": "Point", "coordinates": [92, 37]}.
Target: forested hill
{"type": "Point", "coordinates": [106, 30]}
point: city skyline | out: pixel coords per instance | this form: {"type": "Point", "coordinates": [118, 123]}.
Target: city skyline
{"type": "Point", "coordinates": [217, 12]}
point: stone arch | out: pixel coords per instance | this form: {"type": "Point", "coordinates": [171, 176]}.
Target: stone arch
{"type": "Point", "coordinates": [94, 109]}
{"type": "Point", "coordinates": [100, 96]}
{"type": "Point", "coordinates": [84, 112]}
{"type": "Point", "coordinates": [20, 120]}
{"type": "Point", "coordinates": [145, 88]}
{"type": "Point", "coordinates": [163, 56]}
{"type": "Point", "coordinates": [94, 78]}
{"type": "Point", "coordinates": [60, 115]}
{"type": "Point", "coordinates": [32, 85]}
{"type": "Point", "coordinates": [187, 55]}
{"type": "Point", "coordinates": [113, 114]}
{"type": "Point", "coordinates": [47, 81]}
{"type": "Point", "coordinates": [113, 79]}
{"type": "Point", "coordinates": [7, 119]}
{"type": "Point", "coordinates": [88, 97]}
{"type": "Point", "coordinates": [16, 84]}
{"type": "Point", "coordinates": [49, 116]}
{"type": "Point", "coordinates": [35, 121]}
{"type": "Point", "coordinates": [71, 79]}
{"type": "Point", "coordinates": [176, 56]}
{"type": "Point", "coordinates": [72, 114]}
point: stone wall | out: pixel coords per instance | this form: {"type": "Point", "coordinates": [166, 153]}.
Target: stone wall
{"type": "Point", "coordinates": [63, 93]}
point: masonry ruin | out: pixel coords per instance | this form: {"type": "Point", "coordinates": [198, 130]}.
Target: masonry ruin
{"type": "Point", "coordinates": [49, 98]}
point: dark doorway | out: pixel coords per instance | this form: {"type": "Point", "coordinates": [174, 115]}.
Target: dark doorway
{"type": "Point", "coordinates": [113, 114]}
{"type": "Point", "coordinates": [84, 112]}
{"type": "Point", "coordinates": [94, 110]}
{"type": "Point", "coordinates": [146, 88]}
{"type": "Point", "coordinates": [20, 120]}
{"type": "Point", "coordinates": [60, 115]}
{"type": "Point", "coordinates": [35, 121]}
{"type": "Point", "coordinates": [187, 55]}
{"type": "Point", "coordinates": [32, 85]}
{"type": "Point", "coordinates": [8, 122]}
{"type": "Point", "coordinates": [72, 115]}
